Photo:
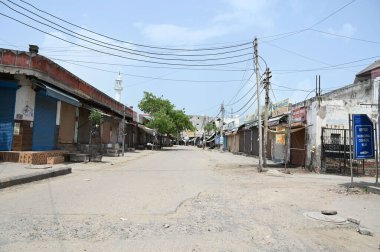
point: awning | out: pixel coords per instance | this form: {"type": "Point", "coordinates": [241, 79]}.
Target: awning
{"type": "Point", "coordinates": [277, 120]}
{"type": "Point", "coordinates": [62, 96]}
{"type": "Point", "coordinates": [146, 129]}
{"type": "Point", "coordinates": [54, 93]}
{"type": "Point", "coordinates": [211, 138]}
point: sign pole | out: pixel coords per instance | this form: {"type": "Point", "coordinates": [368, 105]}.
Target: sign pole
{"type": "Point", "coordinates": [377, 155]}
{"type": "Point", "coordinates": [350, 144]}
{"type": "Point", "coordinates": [364, 140]}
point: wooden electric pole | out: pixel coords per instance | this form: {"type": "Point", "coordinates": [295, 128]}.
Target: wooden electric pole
{"type": "Point", "coordinates": [267, 83]}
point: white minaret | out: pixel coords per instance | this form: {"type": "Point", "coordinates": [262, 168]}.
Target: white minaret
{"type": "Point", "coordinates": [118, 88]}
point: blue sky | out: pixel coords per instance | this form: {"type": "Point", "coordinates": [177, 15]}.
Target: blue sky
{"type": "Point", "coordinates": [294, 60]}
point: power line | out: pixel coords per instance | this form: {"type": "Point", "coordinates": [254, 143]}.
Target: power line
{"type": "Point", "coordinates": [144, 66]}
{"type": "Point", "coordinates": [241, 98]}
{"type": "Point", "coordinates": [291, 33]}
{"type": "Point", "coordinates": [241, 88]}
{"type": "Point", "coordinates": [332, 14]}
{"type": "Point", "coordinates": [295, 53]}
{"type": "Point", "coordinates": [253, 103]}
{"type": "Point", "coordinates": [274, 96]}
{"type": "Point", "coordinates": [120, 56]}
{"type": "Point", "coordinates": [127, 50]}
{"type": "Point", "coordinates": [291, 89]}
{"type": "Point", "coordinates": [347, 37]}
{"type": "Point", "coordinates": [247, 103]}
{"type": "Point", "coordinates": [157, 78]}
{"type": "Point", "coordinates": [292, 71]}
{"type": "Point", "coordinates": [136, 44]}
{"type": "Point", "coordinates": [330, 67]}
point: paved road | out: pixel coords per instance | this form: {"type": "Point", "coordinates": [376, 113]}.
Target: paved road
{"type": "Point", "coordinates": [182, 199]}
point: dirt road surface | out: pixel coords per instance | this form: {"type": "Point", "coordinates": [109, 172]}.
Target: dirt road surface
{"type": "Point", "coordinates": [185, 199]}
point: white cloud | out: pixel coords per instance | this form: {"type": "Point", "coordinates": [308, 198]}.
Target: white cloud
{"type": "Point", "coordinates": [347, 30]}
{"type": "Point", "coordinates": [234, 16]}
{"type": "Point", "coordinates": [174, 34]}
{"type": "Point", "coordinates": [247, 13]}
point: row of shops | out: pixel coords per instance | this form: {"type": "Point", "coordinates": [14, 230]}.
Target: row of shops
{"type": "Point", "coordinates": [300, 134]}
{"type": "Point", "coordinates": [44, 107]}
{"type": "Point", "coordinates": [245, 140]}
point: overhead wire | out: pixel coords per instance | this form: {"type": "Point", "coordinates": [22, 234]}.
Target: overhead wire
{"type": "Point", "coordinates": [120, 56]}
{"type": "Point", "coordinates": [144, 66]}
{"type": "Point", "coordinates": [253, 103]}
{"type": "Point", "coordinates": [335, 66]}
{"type": "Point", "coordinates": [241, 88]}
{"type": "Point", "coordinates": [135, 44]}
{"type": "Point", "coordinates": [347, 37]}
{"type": "Point", "coordinates": [126, 50]}
{"type": "Point", "coordinates": [289, 88]}
{"type": "Point", "coordinates": [291, 33]}
{"type": "Point", "coordinates": [156, 78]}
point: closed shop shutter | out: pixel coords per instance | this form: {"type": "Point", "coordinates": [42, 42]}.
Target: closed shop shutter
{"type": "Point", "coordinates": [44, 126]}
{"type": "Point", "coordinates": [7, 108]}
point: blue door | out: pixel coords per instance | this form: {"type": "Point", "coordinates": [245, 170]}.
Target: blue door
{"type": "Point", "coordinates": [44, 126]}
{"type": "Point", "coordinates": [7, 109]}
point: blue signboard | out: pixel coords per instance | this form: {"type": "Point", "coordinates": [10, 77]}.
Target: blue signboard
{"type": "Point", "coordinates": [363, 137]}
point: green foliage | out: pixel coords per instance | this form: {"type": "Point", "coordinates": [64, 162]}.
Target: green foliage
{"type": "Point", "coordinates": [210, 126]}
{"type": "Point", "coordinates": [162, 123]}
{"type": "Point", "coordinates": [165, 118]}
{"type": "Point", "coordinates": [95, 117]}
{"type": "Point", "coordinates": [152, 104]}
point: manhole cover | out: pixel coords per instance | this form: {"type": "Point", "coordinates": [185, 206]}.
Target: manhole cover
{"type": "Point", "coordinates": [326, 218]}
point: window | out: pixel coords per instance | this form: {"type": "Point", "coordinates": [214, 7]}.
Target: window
{"type": "Point", "coordinates": [335, 138]}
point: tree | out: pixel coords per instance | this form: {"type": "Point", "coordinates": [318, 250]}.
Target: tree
{"type": "Point", "coordinates": [96, 119]}
{"type": "Point", "coordinates": [209, 127]}
{"type": "Point", "coordinates": [165, 118]}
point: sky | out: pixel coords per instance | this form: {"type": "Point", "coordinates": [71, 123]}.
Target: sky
{"type": "Point", "coordinates": [297, 40]}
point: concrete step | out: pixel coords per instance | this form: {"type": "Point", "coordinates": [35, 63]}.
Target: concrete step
{"type": "Point", "coordinates": [78, 157]}
{"type": "Point", "coordinates": [373, 189]}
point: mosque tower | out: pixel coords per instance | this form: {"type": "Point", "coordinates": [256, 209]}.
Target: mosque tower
{"type": "Point", "coordinates": [118, 88]}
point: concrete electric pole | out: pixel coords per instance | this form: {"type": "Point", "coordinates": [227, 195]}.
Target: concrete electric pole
{"type": "Point", "coordinates": [123, 129]}
{"type": "Point", "coordinates": [204, 132]}
{"type": "Point", "coordinates": [267, 83]}
{"type": "Point", "coordinates": [256, 55]}
{"type": "Point", "coordinates": [221, 140]}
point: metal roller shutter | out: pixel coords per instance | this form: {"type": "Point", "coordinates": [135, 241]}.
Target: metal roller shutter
{"type": "Point", "coordinates": [44, 127]}
{"type": "Point", "coordinates": [7, 108]}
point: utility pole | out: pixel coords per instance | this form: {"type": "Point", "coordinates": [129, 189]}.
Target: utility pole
{"type": "Point", "coordinates": [221, 127]}
{"type": "Point", "coordinates": [123, 143]}
{"type": "Point", "coordinates": [267, 83]}
{"type": "Point", "coordinates": [256, 55]}
{"type": "Point", "coordinates": [377, 139]}
{"type": "Point", "coordinates": [204, 132]}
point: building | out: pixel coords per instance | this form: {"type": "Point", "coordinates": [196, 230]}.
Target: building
{"type": "Point", "coordinates": [324, 122]}
{"type": "Point", "coordinates": [44, 107]}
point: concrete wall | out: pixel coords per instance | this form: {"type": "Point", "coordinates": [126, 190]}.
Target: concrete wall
{"type": "Point", "coordinates": [25, 100]}
{"type": "Point", "coordinates": [332, 111]}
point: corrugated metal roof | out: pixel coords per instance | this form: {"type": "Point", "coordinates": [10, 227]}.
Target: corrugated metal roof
{"type": "Point", "coordinates": [369, 68]}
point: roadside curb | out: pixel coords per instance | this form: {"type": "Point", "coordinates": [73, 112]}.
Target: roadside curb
{"type": "Point", "coordinates": [373, 189]}
{"type": "Point", "coordinates": [27, 178]}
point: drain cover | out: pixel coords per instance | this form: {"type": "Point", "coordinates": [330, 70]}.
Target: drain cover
{"type": "Point", "coordinates": [326, 218]}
